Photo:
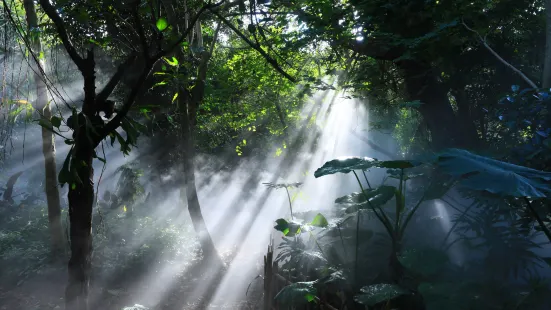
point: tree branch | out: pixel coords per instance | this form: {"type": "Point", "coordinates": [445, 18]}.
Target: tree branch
{"type": "Point", "coordinates": [63, 35]}
{"type": "Point", "coordinates": [257, 47]}
{"type": "Point", "coordinates": [150, 62]}
{"type": "Point", "coordinates": [110, 86]}
{"type": "Point", "coordinates": [188, 30]}
{"type": "Point", "coordinates": [485, 43]}
{"type": "Point", "coordinates": [117, 119]}
{"type": "Point", "coordinates": [141, 33]}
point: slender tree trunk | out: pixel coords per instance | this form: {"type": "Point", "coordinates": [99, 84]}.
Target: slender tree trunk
{"type": "Point", "coordinates": [194, 208]}
{"type": "Point", "coordinates": [187, 106]}
{"type": "Point", "coordinates": [547, 60]}
{"type": "Point", "coordinates": [48, 144]}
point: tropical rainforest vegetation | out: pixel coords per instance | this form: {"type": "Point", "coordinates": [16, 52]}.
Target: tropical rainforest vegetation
{"type": "Point", "coordinates": [275, 154]}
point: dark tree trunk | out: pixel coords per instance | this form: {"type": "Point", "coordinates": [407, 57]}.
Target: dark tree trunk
{"type": "Point", "coordinates": [421, 84]}
{"type": "Point", "coordinates": [465, 120]}
{"type": "Point", "coordinates": [81, 196]}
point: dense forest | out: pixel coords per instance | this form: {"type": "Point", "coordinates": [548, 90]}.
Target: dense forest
{"type": "Point", "coordinates": [284, 154]}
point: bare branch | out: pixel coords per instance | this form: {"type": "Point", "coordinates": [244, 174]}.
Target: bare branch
{"type": "Point", "coordinates": [63, 35]}
{"type": "Point", "coordinates": [485, 43]}
{"type": "Point", "coordinates": [257, 47]}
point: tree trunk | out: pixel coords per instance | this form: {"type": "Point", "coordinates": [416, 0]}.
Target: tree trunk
{"type": "Point", "coordinates": [422, 85]}
{"type": "Point", "coordinates": [48, 144]}
{"type": "Point", "coordinates": [547, 60]}
{"type": "Point", "coordinates": [194, 208]}
{"type": "Point", "coordinates": [465, 120]}
{"type": "Point", "coordinates": [81, 198]}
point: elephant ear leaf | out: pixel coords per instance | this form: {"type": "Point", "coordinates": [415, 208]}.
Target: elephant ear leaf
{"type": "Point", "coordinates": [296, 294]}
{"type": "Point", "coordinates": [398, 164]}
{"type": "Point", "coordinates": [345, 165]}
{"type": "Point", "coordinates": [377, 293]}
{"type": "Point", "coordinates": [377, 198]}
{"type": "Point", "coordinates": [481, 173]}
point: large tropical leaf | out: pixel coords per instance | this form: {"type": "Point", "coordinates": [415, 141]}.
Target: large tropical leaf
{"type": "Point", "coordinates": [485, 174]}
{"type": "Point", "coordinates": [374, 294]}
{"type": "Point", "coordinates": [296, 294]}
{"type": "Point", "coordinates": [345, 165]}
{"type": "Point", "coordinates": [377, 198]}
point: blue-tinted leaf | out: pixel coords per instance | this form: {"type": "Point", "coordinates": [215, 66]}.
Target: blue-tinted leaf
{"type": "Point", "coordinates": [485, 174]}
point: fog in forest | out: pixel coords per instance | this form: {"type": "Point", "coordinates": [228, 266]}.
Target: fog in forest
{"type": "Point", "coordinates": [275, 155]}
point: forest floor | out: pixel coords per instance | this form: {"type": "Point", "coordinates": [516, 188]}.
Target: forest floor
{"type": "Point", "coordinates": [44, 290]}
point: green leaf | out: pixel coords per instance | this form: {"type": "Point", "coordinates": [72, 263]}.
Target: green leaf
{"type": "Point", "coordinates": [481, 173]}
{"type": "Point", "coordinates": [345, 165]}
{"type": "Point", "coordinates": [377, 293]}
{"type": "Point", "coordinates": [162, 24]}
{"type": "Point", "coordinates": [319, 221]}
{"type": "Point", "coordinates": [171, 62]}
{"type": "Point", "coordinates": [174, 97]}
{"type": "Point", "coordinates": [288, 229]}
{"type": "Point", "coordinates": [377, 198]}
{"type": "Point", "coordinates": [56, 121]}
{"type": "Point", "coordinates": [296, 294]}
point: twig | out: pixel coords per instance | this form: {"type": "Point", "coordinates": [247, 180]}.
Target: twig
{"type": "Point", "coordinates": [485, 43]}
{"type": "Point", "coordinates": [257, 47]}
